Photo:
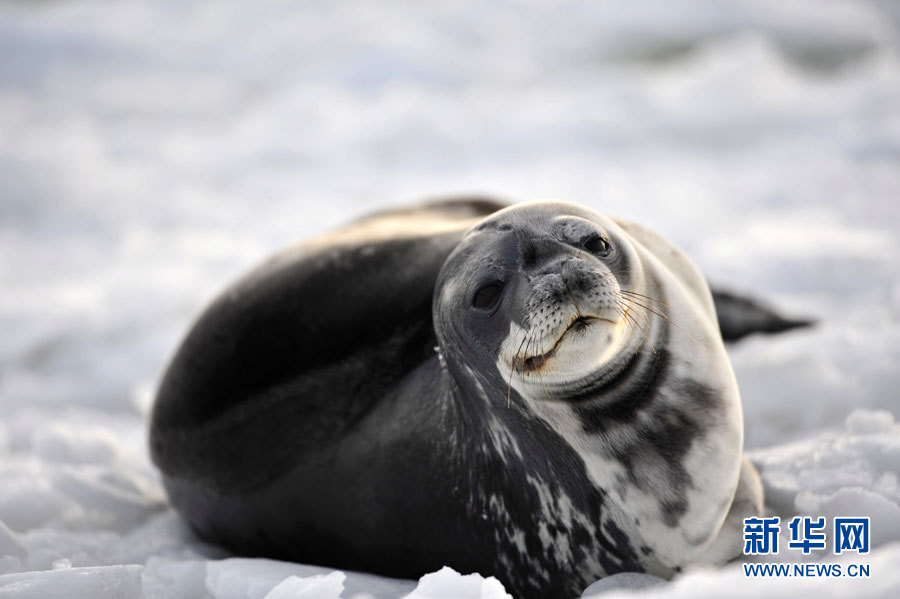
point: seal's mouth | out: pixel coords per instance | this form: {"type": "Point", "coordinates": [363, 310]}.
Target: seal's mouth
{"type": "Point", "coordinates": [536, 362]}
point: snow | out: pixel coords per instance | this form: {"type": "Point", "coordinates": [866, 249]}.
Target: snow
{"type": "Point", "coordinates": [328, 586]}
{"type": "Point", "coordinates": [447, 583]}
{"type": "Point", "coordinates": [730, 582]}
{"type": "Point", "coordinates": [848, 473]}
{"type": "Point", "coordinates": [151, 151]}
{"type": "Point", "coordinates": [622, 581]}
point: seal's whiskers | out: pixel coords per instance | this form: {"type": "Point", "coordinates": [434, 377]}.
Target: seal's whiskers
{"type": "Point", "coordinates": [631, 319]}
{"type": "Point", "coordinates": [512, 365]}
{"type": "Point", "coordinates": [635, 303]}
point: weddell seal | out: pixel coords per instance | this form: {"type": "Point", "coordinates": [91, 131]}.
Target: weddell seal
{"type": "Point", "coordinates": [539, 393]}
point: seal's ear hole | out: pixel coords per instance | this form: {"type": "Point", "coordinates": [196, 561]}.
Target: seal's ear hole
{"type": "Point", "coordinates": [596, 244]}
{"type": "Point", "coordinates": [487, 296]}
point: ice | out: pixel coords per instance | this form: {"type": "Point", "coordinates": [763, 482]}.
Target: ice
{"type": "Point", "coordinates": [114, 582]}
{"type": "Point", "coordinates": [244, 578]}
{"type": "Point", "coordinates": [327, 586]}
{"type": "Point", "coordinates": [253, 579]}
{"type": "Point", "coordinates": [447, 583]}
{"type": "Point", "coordinates": [883, 583]}
{"type": "Point", "coordinates": [152, 151]}
{"type": "Point", "coordinates": [633, 581]}
{"type": "Point", "coordinates": [164, 578]}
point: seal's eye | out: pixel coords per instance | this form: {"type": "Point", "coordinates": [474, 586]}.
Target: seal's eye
{"type": "Point", "coordinates": [596, 244]}
{"type": "Point", "coordinates": [487, 295]}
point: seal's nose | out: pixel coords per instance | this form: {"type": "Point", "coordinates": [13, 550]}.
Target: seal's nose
{"type": "Point", "coordinates": [567, 279]}
{"type": "Point", "coordinates": [576, 275]}
{"type": "Point", "coordinates": [541, 254]}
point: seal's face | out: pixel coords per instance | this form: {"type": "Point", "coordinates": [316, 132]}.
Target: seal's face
{"type": "Point", "coordinates": [546, 293]}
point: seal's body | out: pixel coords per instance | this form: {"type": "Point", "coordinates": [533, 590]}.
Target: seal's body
{"type": "Point", "coordinates": [541, 395]}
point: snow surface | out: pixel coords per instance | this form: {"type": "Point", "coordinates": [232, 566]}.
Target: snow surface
{"type": "Point", "coordinates": [151, 151]}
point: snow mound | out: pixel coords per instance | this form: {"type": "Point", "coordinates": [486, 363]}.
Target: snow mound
{"type": "Point", "coordinates": [447, 583]}
{"type": "Point", "coordinates": [848, 473]}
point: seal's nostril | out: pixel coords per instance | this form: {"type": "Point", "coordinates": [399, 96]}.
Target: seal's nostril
{"type": "Point", "coordinates": [575, 277]}
{"type": "Point", "coordinates": [529, 254]}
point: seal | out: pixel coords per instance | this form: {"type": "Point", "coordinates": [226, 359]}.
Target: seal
{"type": "Point", "coordinates": [539, 393]}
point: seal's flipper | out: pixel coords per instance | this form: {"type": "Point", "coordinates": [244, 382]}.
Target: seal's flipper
{"type": "Point", "coordinates": [741, 315]}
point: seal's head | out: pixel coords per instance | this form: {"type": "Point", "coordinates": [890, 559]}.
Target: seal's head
{"type": "Point", "coordinates": [548, 292]}
{"type": "Point", "coordinates": [607, 333]}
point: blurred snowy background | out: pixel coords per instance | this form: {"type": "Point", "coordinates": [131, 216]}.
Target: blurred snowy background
{"type": "Point", "coordinates": [152, 151]}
